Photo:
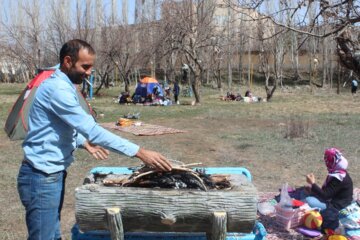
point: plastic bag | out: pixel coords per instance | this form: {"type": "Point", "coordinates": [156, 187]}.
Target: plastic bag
{"type": "Point", "coordinates": [266, 208]}
{"type": "Point", "coordinates": [285, 200]}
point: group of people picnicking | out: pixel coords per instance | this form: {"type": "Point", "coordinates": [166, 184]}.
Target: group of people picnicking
{"type": "Point", "coordinates": [157, 97]}
{"type": "Point", "coordinates": [248, 97]}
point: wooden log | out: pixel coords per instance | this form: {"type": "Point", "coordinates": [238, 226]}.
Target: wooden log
{"type": "Point", "coordinates": [219, 226]}
{"type": "Point", "coordinates": [115, 223]}
{"type": "Point", "coordinates": [168, 210]}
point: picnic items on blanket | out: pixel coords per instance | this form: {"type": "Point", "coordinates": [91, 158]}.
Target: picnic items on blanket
{"type": "Point", "coordinates": [266, 208]}
{"type": "Point", "coordinates": [346, 221]}
{"type": "Point", "coordinates": [350, 216]}
{"type": "Point", "coordinates": [336, 237]}
{"type": "Point", "coordinates": [313, 219]}
{"type": "Point", "coordinates": [289, 212]}
{"type": "Point", "coordinates": [285, 200]}
{"type": "Point", "coordinates": [297, 203]}
{"type": "Point", "coordinates": [308, 232]}
{"type": "Point", "coordinates": [124, 122]}
{"type": "Point", "coordinates": [288, 217]}
{"type": "Point", "coordinates": [352, 234]}
{"type": "Point", "coordinates": [132, 115]}
{"type": "Point", "coordinates": [278, 232]}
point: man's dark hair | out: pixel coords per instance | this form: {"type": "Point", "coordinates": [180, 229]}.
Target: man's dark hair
{"type": "Point", "coordinates": [72, 48]}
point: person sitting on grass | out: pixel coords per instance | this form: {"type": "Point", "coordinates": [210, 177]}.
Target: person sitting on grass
{"type": "Point", "coordinates": [125, 98]}
{"type": "Point", "coordinates": [337, 190]}
{"type": "Point", "coordinates": [156, 92]}
{"type": "Point", "coordinates": [249, 97]}
{"type": "Point", "coordinates": [137, 98]}
{"type": "Point", "coordinates": [239, 97]}
{"type": "Point", "coordinates": [230, 96]}
{"type": "Point", "coordinates": [248, 94]}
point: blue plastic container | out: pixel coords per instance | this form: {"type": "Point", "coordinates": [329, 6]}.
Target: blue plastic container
{"type": "Point", "coordinates": [259, 233]}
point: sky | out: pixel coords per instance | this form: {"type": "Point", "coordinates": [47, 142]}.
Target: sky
{"type": "Point", "coordinates": [8, 7]}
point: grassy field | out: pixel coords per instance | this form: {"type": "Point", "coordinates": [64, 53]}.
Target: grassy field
{"type": "Point", "coordinates": [280, 141]}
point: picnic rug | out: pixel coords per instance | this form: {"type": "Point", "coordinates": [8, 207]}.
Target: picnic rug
{"type": "Point", "coordinates": [276, 232]}
{"type": "Point", "coordinates": [143, 130]}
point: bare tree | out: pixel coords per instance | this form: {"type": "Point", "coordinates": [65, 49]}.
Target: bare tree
{"type": "Point", "coordinates": [58, 29]}
{"type": "Point", "coordinates": [216, 61]}
{"type": "Point", "coordinates": [26, 37]}
{"type": "Point", "coordinates": [269, 42]}
{"type": "Point", "coordinates": [265, 55]}
{"type": "Point", "coordinates": [188, 29]}
{"type": "Point", "coordinates": [339, 17]}
{"type": "Point", "coordinates": [84, 21]}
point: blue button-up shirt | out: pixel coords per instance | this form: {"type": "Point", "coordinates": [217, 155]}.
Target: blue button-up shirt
{"type": "Point", "coordinates": [58, 125]}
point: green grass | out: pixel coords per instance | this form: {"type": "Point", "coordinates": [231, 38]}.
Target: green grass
{"type": "Point", "coordinates": [218, 134]}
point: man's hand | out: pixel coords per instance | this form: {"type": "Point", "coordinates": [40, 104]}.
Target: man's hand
{"type": "Point", "coordinates": [310, 178]}
{"type": "Point", "coordinates": [98, 152]}
{"type": "Point", "coordinates": [154, 159]}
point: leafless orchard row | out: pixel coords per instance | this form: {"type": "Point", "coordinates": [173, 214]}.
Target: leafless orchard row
{"type": "Point", "coordinates": [297, 39]}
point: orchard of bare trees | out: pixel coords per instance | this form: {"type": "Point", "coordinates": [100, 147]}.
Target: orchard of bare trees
{"type": "Point", "coordinates": [224, 42]}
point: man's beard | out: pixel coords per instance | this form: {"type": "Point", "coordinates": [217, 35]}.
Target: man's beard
{"type": "Point", "coordinates": [75, 77]}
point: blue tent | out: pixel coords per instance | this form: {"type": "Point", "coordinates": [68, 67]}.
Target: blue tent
{"type": "Point", "coordinates": [146, 87]}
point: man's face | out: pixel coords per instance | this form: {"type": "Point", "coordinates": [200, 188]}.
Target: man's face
{"type": "Point", "coordinates": [80, 70]}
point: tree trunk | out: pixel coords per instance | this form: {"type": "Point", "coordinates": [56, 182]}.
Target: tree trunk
{"type": "Point", "coordinates": [249, 65]}
{"type": "Point", "coordinates": [269, 90]}
{"type": "Point", "coordinates": [348, 54]}
{"type": "Point", "coordinates": [170, 75]}
{"type": "Point", "coordinates": [103, 81]}
{"type": "Point", "coordinates": [340, 71]}
{"type": "Point", "coordinates": [196, 87]}
{"type": "Point", "coordinates": [217, 74]}
{"type": "Point", "coordinates": [324, 61]}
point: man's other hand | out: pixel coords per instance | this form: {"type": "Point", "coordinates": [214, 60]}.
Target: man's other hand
{"type": "Point", "coordinates": [96, 151]}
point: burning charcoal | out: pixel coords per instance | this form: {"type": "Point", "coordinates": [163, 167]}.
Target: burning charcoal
{"type": "Point", "coordinates": [193, 183]}
{"type": "Point", "coordinates": [171, 177]}
{"type": "Point", "coordinates": [166, 182]}
{"type": "Point", "coordinates": [179, 178]}
{"type": "Point", "coordinates": [180, 184]}
{"type": "Point", "coordinates": [148, 184]}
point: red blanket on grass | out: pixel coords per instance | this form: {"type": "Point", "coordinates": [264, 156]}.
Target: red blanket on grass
{"type": "Point", "coordinates": [144, 129]}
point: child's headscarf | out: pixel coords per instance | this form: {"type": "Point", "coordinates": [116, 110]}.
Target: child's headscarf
{"type": "Point", "coordinates": [336, 164]}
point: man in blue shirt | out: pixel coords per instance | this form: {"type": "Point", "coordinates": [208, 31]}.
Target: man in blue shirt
{"type": "Point", "coordinates": [57, 126]}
